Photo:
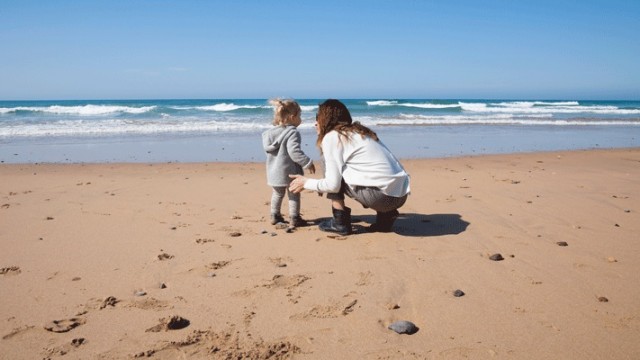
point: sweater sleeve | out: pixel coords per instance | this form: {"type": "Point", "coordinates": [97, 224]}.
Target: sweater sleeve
{"type": "Point", "coordinates": [333, 151]}
{"type": "Point", "coordinates": [295, 151]}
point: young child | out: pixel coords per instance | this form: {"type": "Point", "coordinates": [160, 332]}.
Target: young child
{"type": "Point", "coordinates": [284, 157]}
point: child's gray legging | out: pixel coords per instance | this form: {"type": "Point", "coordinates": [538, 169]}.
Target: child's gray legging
{"type": "Point", "coordinates": [276, 201]}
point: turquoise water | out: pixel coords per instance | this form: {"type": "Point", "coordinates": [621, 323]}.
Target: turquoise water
{"type": "Point", "coordinates": [228, 129]}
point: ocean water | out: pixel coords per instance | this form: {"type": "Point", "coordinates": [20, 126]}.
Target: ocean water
{"type": "Point", "coordinates": [229, 129]}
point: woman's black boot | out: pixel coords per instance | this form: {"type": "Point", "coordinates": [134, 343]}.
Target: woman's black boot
{"type": "Point", "coordinates": [384, 221]}
{"type": "Point", "coordinates": [340, 223]}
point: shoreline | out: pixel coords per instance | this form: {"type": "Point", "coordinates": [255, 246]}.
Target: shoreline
{"type": "Point", "coordinates": [259, 162]}
{"type": "Point", "coordinates": [114, 251]}
{"type": "Point", "coordinates": [405, 143]}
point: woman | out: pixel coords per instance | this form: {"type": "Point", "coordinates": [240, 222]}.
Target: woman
{"type": "Point", "coordinates": [358, 165]}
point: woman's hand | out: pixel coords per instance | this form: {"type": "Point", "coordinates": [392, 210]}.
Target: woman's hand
{"type": "Point", "coordinates": [297, 185]}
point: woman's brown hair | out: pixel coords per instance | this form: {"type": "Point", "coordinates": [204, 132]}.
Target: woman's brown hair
{"type": "Point", "coordinates": [334, 115]}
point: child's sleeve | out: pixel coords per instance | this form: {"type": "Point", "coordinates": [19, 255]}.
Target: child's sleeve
{"type": "Point", "coordinates": [295, 151]}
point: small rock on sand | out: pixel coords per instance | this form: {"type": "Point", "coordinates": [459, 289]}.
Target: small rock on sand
{"type": "Point", "coordinates": [603, 299]}
{"type": "Point", "coordinates": [404, 327]}
{"type": "Point", "coordinates": [458, 293]}
{"type": "Point", "coordinates": [496, 257]}
{"type": "Point", "coordinates": [562, 243]}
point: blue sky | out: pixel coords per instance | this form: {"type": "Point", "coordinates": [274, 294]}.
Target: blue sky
{"type": "Point", "coordinates": [149, 49]}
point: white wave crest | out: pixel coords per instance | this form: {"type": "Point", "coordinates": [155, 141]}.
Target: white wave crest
{"type": "Point", "coordinates": [81, 110]}
{"type": "Point", "coordinates": [528, 104]}
{"type": "Point", "coordinates": [495, 119]}
{"type": "Point", "coordinates": [308, 108]}
{"type": "Point", "coordinates": [523, 107]}
{"type": "Point", "coordinates": [382, 103]}
{"type": "Point", "coordinates": [414, 105]}
{"type": "Point", "coordinates": [229, 107]}
{"type": "Point", "coordinates": [431, 106]}
{"type": "Point", "coordinates": [126, 127]}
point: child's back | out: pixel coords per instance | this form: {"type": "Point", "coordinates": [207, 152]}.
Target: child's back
{"type": "Point", "coordinates": [285, 157]}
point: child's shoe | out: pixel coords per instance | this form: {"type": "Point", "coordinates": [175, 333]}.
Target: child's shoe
{"type": "Point", "coordinates": [298, 221]}
{"type": "Point", "coordinates": [276, 218]}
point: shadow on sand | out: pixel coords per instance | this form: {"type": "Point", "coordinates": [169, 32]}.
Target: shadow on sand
{"type": "Point", "coordinates": [411, 224]}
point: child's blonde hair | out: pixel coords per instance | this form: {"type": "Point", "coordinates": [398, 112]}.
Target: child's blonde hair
{"type": "Point", "coordinates": [285, 112]}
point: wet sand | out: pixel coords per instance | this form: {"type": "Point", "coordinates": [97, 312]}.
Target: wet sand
{"type": "Point", "coordinates": [113, 261]}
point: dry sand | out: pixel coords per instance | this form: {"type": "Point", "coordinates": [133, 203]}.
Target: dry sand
{"type": "Point", "coordinates": [179, 261]}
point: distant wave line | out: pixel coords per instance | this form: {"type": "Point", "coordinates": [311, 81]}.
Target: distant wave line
{"type": "Point", "coordinates": [562, 107]}
{"type": "Point", "coordinates": [122, 127]}
{"type": "Point", "coordinates": [197, 125]}
{"type": "Point", "coordinates": [81, 110]}
{"type": "Point", "coordinates": [92, 110]}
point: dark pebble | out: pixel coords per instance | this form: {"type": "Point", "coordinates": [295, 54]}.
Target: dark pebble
{"type": "Point", "coordinates": [177, 322]}
{"type": "Point", "coordinates": [603, 299]}
{"type": "Point", "coordinates": [163, 286]}
{"type": "Point", "coordinates": [235, 234]}
{"type": "Point", "coordinates": [78, 341]}
{"type": "Point", "coordinates": [458, 293]}
{"type": "Point", "coordinates": [404, 327]}
{"type": "Point", "coordinates": [496, 257]}
{"type": "Point", "coordinates": [562, 243]}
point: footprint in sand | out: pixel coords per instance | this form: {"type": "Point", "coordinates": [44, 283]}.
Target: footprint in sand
{"type": "Point", "coordinates": [10, 270]}
{"type": "Point", "coordinates": [364, 278]}
{"type": "Point", "coordinates": [165, 256]}
{"type": "Point", "coordinates": [65, 349]}
{"type": "Point", "coordinates": [149, 304]}
{"type": "Point", "coordinates": [61, 326]}
{"type": "Point", "coordinates": [218, 265]}
{"type": "Point", "coordinates": [287, 282]}
{"type": "Point", "coordinates": [17, 332]}
{"type": "Point", "coordinates": [280, 261]}
{"type": "Point", "coordinates": [209, 269]}
{"type": "Point", "coordinates": [230, 344]}
{"type": "Point", "coordinates": [170, 323]}
{"type": "Point", "coordinates": [109, 301]}
{"type": "Point", "coordinates": [334, 310]}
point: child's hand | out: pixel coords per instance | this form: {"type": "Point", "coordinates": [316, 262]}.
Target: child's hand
{"type": "Point", "coordinates": [312, 169]}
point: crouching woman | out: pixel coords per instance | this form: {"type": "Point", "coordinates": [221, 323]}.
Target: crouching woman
{"type": "Point", "coordinates": [358, 165]}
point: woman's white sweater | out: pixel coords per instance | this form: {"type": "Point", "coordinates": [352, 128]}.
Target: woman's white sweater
{"type": "Point", "coordinates": [360, 161]}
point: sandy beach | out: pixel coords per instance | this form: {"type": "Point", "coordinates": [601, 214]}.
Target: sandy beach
{"type": "Point", "coordinates": [178, 260]}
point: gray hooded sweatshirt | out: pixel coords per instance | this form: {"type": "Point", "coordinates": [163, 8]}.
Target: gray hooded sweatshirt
{"type": "Point", "coordinates": [284, 155]}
